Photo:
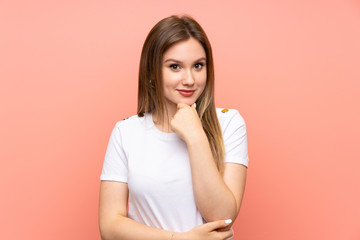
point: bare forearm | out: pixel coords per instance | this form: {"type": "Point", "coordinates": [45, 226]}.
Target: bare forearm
{"type": "Point", "coordinates": [213, 198]}
{"type": "Point", "coordinates": [127, 229]}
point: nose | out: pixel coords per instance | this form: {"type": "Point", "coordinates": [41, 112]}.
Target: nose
{"type": "Point", "coordinates": [188, 78]}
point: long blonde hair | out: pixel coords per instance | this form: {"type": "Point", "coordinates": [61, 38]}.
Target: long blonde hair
{"type": "Point", "coordinates": [162, 36]}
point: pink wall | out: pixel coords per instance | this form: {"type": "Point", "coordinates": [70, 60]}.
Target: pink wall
{"type": "Point", "coordinates": [68, 72]}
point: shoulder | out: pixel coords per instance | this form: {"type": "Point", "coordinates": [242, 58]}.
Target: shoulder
{"type": "Point", "coordinates": [234, 135]}
{"type": "Point", "coordinates": [227, 116]}
{"type": "Point", "coordinates": [130, 123]}
{"type": "Point", "coordinates": [127, 130]}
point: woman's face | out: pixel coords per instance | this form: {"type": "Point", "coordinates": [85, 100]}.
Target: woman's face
{"type": "Point", "coordinates": [183, 73]}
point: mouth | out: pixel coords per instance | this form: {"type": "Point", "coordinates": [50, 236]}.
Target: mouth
{"type": "Point", "coordinates": [186, 93]}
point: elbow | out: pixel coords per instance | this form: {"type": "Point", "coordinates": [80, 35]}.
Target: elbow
{"type": "Point", "coordinates": [105, 228]}
{"type": "Point", "coordinates": [104, 231]}
{"type": "Point", "coordinates": [228, 211]}
{"type": "Point", "coordinates": [111, 227]}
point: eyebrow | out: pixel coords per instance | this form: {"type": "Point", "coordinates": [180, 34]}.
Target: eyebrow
{"type": "Point", "coordinates": [177, 61]}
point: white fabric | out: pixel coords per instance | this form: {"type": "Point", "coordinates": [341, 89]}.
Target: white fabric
{"type": "Point", "coordinates": [156, 167]}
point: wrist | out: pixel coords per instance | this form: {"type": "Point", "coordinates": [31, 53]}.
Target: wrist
{"type": "Point", "coordinates": [179, 236]}
{"type": "Point", "coordinates": [196, 137]}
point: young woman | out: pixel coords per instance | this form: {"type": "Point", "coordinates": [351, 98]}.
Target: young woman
{"type": "Point", "coordinates": [177, 169]}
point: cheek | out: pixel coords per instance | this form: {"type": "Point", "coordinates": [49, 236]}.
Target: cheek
{"type": "Point", "coordinates": [202, 80]}
{"type": "Point", "coordinates": [170, 78]}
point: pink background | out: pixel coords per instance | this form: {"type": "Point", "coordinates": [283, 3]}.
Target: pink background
{"type": "Point", "coordinates": [68, 72]}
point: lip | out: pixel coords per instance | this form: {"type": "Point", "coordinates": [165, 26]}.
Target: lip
{"type": "Point", "coordinates": [186, 93]}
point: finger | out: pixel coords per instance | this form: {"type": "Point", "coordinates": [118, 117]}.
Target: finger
{"type": "Point", "coordinates": [181, 105]}
{"type": "Point", "coordinates": [226, 234]}
{"type": "Point", "coordinates": [218, 224]}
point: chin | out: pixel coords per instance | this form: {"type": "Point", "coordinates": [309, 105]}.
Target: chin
{"type": "Point", "coordinates": [188, 102]}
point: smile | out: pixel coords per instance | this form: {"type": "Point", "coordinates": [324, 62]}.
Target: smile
{"type": "Point", "coordinates": [186, 93]}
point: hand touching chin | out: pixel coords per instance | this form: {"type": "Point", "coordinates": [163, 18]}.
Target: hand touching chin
{"type": "Point", "coordinates": [186, 122]}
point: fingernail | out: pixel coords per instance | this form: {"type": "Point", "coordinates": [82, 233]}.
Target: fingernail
{"type": "Point", "coordinates": [228, 221]}
{"type": "Point", "coordinates": [194, 105]}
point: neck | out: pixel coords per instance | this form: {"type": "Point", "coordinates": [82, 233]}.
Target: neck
{"type": "Point", "coordinates": [163, 124]}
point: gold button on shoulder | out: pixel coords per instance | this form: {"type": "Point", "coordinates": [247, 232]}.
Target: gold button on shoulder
{"type": "Point", "coordinates": [224, 110]}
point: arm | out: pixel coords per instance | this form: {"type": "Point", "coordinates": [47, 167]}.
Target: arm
{"type": "Point", "coordinates": [217, 197]}
{"type": "Point", "coordinates": [114, 223]}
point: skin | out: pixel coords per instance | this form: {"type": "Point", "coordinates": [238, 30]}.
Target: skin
{"type": "Point", "coordinates": [183, 68]}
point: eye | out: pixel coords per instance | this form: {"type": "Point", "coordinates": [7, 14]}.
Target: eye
{"type": "Point", "coordinates": [199, 66]}
{"type": "Point", "coordinates": [174, 66]}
